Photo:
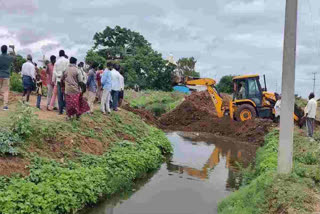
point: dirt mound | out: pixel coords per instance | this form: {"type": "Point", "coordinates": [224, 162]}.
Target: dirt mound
{"type": "Point", "coordinates": [12, 165]}
{"type": "Point", "coordinates": [203, 101]}
{"type": "Point", "coordinates": [145, 115]}
{"type": "Point", "coordinates": [197, 113]}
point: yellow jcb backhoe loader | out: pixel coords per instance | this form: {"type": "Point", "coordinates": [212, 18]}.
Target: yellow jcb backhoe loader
{"type": "Point", "coordinates": [249, 99]}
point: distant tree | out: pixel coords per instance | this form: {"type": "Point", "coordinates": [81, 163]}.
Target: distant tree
{"type": "Point", "coordinates": [93, 56]}
{"type": "Point", "coordinates": [186, 67]}
{"type": "Point", "coordinates": [163, 80]}
{"type": "Point", "coordinates": [225, 84]}
{"type": "Point", "coordinates": [116, 43]}
{"type": "Point", "coordinates": [17, 64]}
{"type": "Point", "coordinates": [141, 65]}
{"type": "Point", "coordinates": [147, 69]}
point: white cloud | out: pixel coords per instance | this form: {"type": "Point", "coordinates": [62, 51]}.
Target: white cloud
{"type": "Point", "coordinates": [258, 39]}
{"type": "Point", "coordinates": [245, 8]}
{"type": "Point", "coordinates": [19, 6]}
{"type": "Point", "coordinates": [225, 36]}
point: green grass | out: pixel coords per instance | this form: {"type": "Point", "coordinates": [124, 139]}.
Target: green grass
{"type": "Point", "coordinates": [301, 102]}
{"type": "Point", "coordinates": [265, 191]}
{"type": "Point", "coordinates": [157, 102]}
{"type": "Point", "coordinates": [81, 179]}
{"type": "Point", "coordinates": [53, 187]}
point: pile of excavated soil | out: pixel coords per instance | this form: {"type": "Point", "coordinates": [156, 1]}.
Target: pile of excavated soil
{"type": "Point", "coordinates": [197, 113]}
{"type": "Point", "coordinates": [145, 115]}
{"type": "Point", "coordinates": [10, 165]}
{"type": "Point", "coordinates": [204, 102]}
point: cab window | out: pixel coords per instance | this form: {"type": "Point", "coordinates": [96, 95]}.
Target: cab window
{"type": "Point", "coordinates": [254, 92]}
{"type": "Point", "coordinates": [253, 88]}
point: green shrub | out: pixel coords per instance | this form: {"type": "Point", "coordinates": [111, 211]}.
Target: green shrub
{"type": "Point", "coordinates": [9, 143]}
{"type": "Point", "coordinates": [307, 171]}
{"type": "Point", "coordinates": [300, 102]}
{"type": "Point", "coordinates": [22, 121]}
{"type": "Point", "coordinates": [16, 82]}
{"type": "Point", "coordinates": [157, 109]}
{"type": "Point", "coordinates": [250, 199]}
{"type": "Point", "coordinates": [267, 156]}
{"type": "Point", "coordinates": [268, 192]}
{"type": "Point", "coordinates": [58, 188]}
{"type": "Point", "coordinates": [157, 102]}
{"type": "Point", "coordinates": [271, 193]}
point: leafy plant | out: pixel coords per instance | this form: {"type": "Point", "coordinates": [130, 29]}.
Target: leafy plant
{"type": "Point", "coordinates": [22, 121]}
{"type": "Point", "coordinates": [9, 142]}
{"type": "Point", "coordinates": [16, 82]}
{"type": "Point", "coordinates": [58, 188]}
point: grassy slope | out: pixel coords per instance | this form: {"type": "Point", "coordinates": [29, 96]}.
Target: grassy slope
{"type": "Point", "coordinates": [74, 163]}
{"type": "Point", "coordinates": [157, 102]}
{"type": "Point", "coordinates": [265, 191]}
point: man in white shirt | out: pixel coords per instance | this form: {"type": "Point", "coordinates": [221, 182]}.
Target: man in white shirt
{"type": "Point", "coordinates": [242, 91]}
{"type": "Point", "coordinates": [28, 73]}
{"type": "Point", "coordinates": [115, 86]}
{"type": "Point", "coordinates": [60, 67]}
{"type": "Point", "coordinates": [310, 112]}
{"type": "Point", "coordinates": [121, 93]}
{"type": "Point", "coordinates": [277, 108]}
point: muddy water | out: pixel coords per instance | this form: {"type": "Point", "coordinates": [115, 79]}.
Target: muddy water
{"type": "Point", "coordinates": [200, 173]}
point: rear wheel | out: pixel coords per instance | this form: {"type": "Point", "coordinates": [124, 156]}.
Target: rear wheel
{"type": "Point", "coordinates": [245, 112]}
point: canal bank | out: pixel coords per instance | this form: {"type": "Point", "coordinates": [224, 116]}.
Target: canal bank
{"type": "Point", "coordinates": [69, 165]}
{"type": "Point", "coordinates": [265, 191]}
{"type": "Point", "coordinates": [201, 172]}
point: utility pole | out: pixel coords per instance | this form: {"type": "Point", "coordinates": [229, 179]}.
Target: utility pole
{"type": "Point", "coordinates": [314, 81]}
{"type": "Point", "coordinates": [288, 79]}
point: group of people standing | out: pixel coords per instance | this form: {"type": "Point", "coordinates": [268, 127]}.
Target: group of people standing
{"type": "Point", "coordinates": [69, 83]}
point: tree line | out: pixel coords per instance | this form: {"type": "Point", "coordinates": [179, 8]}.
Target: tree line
{"type": "Point", "coordinates": [142, 65]}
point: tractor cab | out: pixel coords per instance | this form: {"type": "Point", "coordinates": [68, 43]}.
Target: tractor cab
{"type": "Point", "coordinates": [248, 89]}
{"type": "Point", "coordinates": [250, 100]}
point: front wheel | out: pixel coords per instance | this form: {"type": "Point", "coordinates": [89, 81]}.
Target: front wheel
{"type": "Point", "coordinates": [245, 112]}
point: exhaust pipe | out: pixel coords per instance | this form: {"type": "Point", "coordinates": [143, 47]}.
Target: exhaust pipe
{"type": "Point", "coordinates": [265, 83]}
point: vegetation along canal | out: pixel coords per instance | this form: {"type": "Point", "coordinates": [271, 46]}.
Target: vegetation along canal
{"type": "Point", "coordinates": [200, 173]}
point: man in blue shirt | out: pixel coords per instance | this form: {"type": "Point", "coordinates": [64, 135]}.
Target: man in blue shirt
{"type": "Point", "coordinates": [107, 86]}
{"type": "Point", "coordinates": [92, 85]}
{"type": "Point", "coordinates": [5, 65]}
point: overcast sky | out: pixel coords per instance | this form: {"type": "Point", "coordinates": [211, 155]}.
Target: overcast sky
{"type": "Point", "coordinates": [225, 36]}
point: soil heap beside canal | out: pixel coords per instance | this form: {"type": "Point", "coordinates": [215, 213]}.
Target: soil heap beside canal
{"type": "Point", "coordinates": [197, 113]}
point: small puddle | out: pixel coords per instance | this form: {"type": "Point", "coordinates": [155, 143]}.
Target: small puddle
{"type": "Point", "coordinates": [200, 173]}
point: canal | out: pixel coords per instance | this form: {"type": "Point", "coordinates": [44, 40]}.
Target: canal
{"type": "Point", "coordinates": [201, 172]}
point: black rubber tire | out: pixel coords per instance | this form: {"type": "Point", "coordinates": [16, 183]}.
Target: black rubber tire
{"type": "Point", "coordinates": [245, 107]}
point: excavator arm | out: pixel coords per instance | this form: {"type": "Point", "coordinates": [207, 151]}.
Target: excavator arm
{"type": "Point", "coordinates": [215, 96]}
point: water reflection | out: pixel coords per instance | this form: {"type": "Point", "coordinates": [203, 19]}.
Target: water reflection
{"type": "Point", "coordinates": [200, 173]}
{"type": "Point", "coordinates": [219, 149]}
